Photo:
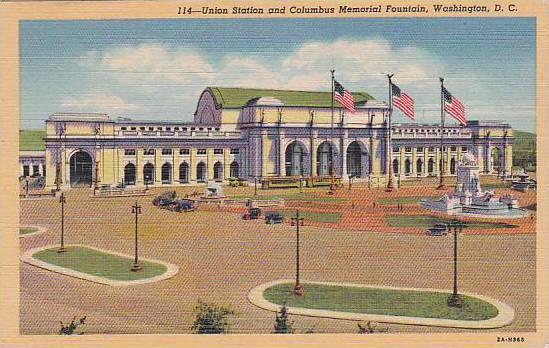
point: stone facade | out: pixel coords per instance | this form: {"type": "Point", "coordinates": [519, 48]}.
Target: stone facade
{"type": "Point", "coordinates": [261, 133]}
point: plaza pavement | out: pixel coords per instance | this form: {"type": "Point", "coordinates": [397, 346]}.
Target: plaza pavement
{"type": "Point", "coordinates": [220, 258]}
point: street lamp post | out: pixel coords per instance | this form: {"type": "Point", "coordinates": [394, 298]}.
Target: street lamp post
{"type": "Point", "coordinates": [62, 200]}
{"type": "Point", "coordinates": [147, 178]}
{"type": "Point", "coordinates": [298, 288]}
{"type": "Point", "coordinates": [255, 186]}
{"type": "Point", "coordinates": [350, 182]}
{"type": "Point", "coordinates": [301, 184]}
{"type": "Point", "coordinates": [136, 209]}
{"type": "Point", "coordinates": [455, 299]}
{"type": "Point", "coordinates": [26, 187]}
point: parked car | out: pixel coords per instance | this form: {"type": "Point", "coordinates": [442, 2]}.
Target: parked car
{"type": "Point", "coordinates": [182, 205]}
{"type": "Point", "coordinates": [273, 218]}
{"type": "Point", "coordinates": [252, 214]}
{"type": "Point", "coordinates": [164, 199]}
{"type": "Point", "coordinates": [437, 230]}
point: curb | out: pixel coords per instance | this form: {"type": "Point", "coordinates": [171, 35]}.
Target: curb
{"type": "Point", "coordinates": [27, 257]}
{"type": "Point", "coordinates": [40, 230]}
{"type": "Point", "coordinates": [505, 316]}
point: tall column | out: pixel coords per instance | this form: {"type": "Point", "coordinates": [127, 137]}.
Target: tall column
{"type": "Point", "coordinates": [226, 163]}
{"type": "Point", "coordinates": [139, 163]}
{"type": "Point", "coordinates": [447, 160]}
{"type": "Point", "coordinates": [437, 161]}
{"type": "Point", "coordinates": [158, 167]}
{"type": "Point", "coordinates": [401, 166]}
{"type": "Point", "coordinates": [343, 154]}
{"type": "Point", "coordinates": [425, 161]}
{"type": "Point", "coordinates": [414, 162]}
{"type": "Point", "coordinates": [265, 147]}
{"type": "Point", "coordinates": [508, 152]}
{"type": "Point", "coordinates": [281, 156]}
{"type": "Point", "coordinates": [175, 164]}
{"type": "Point", "coordinates": [210, 160]}
{"type": "Point", "coordinates": [313, 145]}
{"type": "Point", "coordinates": [192, 165]}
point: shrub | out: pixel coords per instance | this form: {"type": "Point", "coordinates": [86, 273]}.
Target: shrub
{"type": "Point", "coordinates": [211, 318]}
{"type": "Point", "coordinates": [282, 325]}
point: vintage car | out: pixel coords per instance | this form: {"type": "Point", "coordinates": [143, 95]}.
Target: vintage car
{"type": "Point", "coordinates": [252, 214]}
{"type": "Point", "coordinates": [437, 230]}
{"type": "Point", "coordinates": [273, 218]}
{"type": "Point", "coordinates": [164, 199]}
{"type": "Point", "coordinates": [182, 205]}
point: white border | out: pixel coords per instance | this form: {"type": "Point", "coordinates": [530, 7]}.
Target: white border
{"type": "Point", "coordinates": [27, 257]}
{"type": "Point", "coordinates": [505, 316]}
{"type": "Point", "coordinates": [39, 230]}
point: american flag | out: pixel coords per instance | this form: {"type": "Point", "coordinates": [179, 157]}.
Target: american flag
{"type": "Point", "coordinates": [454, 107]}
{"type": "Point", "coordinates": [403, 102]}
{"type": "Point", "coordinates": [344, 97]}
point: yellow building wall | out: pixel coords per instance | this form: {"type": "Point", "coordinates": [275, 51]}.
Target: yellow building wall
{"type": "Point", "coordinates": [192, 164]}
{"type": "Point", "coordinates": [139, 166]}
{"type": "Point", "coordinates": [157, 166]}
{"type": "Point", "coordinates": [226, 162]}
{"type": "Point", "coordinates": [175, 164]}
{"type": "Point", "coordinates": [210, 160]}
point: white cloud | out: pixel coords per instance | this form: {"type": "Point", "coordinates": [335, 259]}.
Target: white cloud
{"type": "Point", "coordinates": [92, 102]}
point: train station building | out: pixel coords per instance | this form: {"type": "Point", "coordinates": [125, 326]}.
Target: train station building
{"type": "Point", "coordinates": [260, 134]}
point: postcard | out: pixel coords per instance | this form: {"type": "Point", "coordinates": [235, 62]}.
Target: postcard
{"type": "Point", "coordinates": [273, 174]}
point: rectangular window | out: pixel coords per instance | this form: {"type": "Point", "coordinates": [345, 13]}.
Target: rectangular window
{"type": "Point", "coordinates": [151, 128]}
{"type": "Point", "coordinates": [235, 151]}
{"type": "Point", "coordinates": [464, 149]}
{"type": "Point", "coordinates": [26, 171]}
{"type": "Point", "coordinates": [419, 149]}
{"type": "Point", "coordinates": [176, 128]}
{"type": "Point", "coordinates": [453, 148]}
{"type": "Point", "coordinates": [35, 170]}
{"type": "Point", "coordinates": [201, 151]}
{"type": "Point", "coordinates": [129, 152]}
{"type": "Point", "coordinates": [168, 128]}
{"type": "Point", "coordinates": [159, 128]}
{"type": "Point", "coordinates": [184, 151]}
{"type": "Point", "coordinates": [133, 128]}
{"type": "Point", "coordinates": [431, 149]}
{"type": "Point", "coordinates": [396, 149]}
{"type": "Point", "coordinates": [408, 149]}
{"type": "Point", "coordinates": [218, 151]}
{"type": "Point", "coordinates": [166, 151]}
{"type": "Point", "coordinates": [124, 128]}
{"type": "Point", "coordinates": [148, 152]}
{"type": "Point", "coordinates": [142, 128]}
{"type": "Point", "coordinates": [184, 129]}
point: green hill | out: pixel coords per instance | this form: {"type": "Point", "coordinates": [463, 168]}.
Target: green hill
{"type": "Point", "coordinates": [31, 140]}
{"type": "Point", "coordinates": [524, 149]}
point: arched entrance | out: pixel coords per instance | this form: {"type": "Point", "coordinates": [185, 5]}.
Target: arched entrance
{"type": "Point", "coordinates": [201, 172]}
{"type": "Point", "coordinates": [235, 170]}
{"type": "Point", "coordinates": [324, 159]}
{"type": "Point", "coordinates": [395, 166]}
{"type": "Point", "coordinates": [183, 173]}
{"type": "Point", "coordinates": [295, 159]}
{"type": "Point", "coordinates": [356, 164]}
{"type": "Point", "coordinates": [148, 174]}
{"type": "Point", "coordinates": [166, 173]}
{"type": "Point", "coordinates": [453, 166]}
{"type": "Point", "coordinates": [218, 171]}
{"type": "Point", "coordinates": [496, 160]}
{"type": "Point", "coordinates": [129, 174]}
{"type": "Point", "coordinates": [407, 166]}
{"type": "Point", "coordinates": [431, 166]}
{"type": "Point", "coordinates": [81, 169]}
{"type": "Point", "coordinates": [419, 167]}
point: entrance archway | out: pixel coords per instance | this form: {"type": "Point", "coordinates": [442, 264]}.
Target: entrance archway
{"type": "Point", "coordinates": [218, 171]}
{"type": "Point", "coordinates": [166, 173]}
{"type": "Point", "coordinates": [431, 166]}
{"type": "Point", "coordinates": [453, 166]}
{"type": "Point", "coordinates": [183, 173]}
{"type": "Point", "coordinates": [407, 166]}
{"type": "Point", "coordinates": [295, 159]}
{"type": "Point", "coordinates": [395, 166]}
{"type": "Point", "coordinates": [324, 159]}
{"type": "Point", "coordinates": [419, 167]}
{"type": "Point", "coordinates": [129, 174]}
{"type": "Point", "coordinates": [495, 157]}
{"type": "Point", "coordinates": [148, 174]}
{"type": "Point", "coordinates": [235, 170]}
{"type": "Point", "coordinates": [201, 172]}
{"type": "Point", "coordinates": [355, 161]}
{"type": "Point", "coordinates": [81, 169]}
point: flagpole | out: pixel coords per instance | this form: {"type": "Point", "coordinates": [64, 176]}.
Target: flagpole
{"type": "Point", "coordinates": [441, 185]}
{"type": "Point", "coordinates": [332, 180]}
{"type": "Point", "coordinates": [390, 184]}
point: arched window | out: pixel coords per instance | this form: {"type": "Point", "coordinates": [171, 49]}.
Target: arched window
{"type": "Point", "coordinates": [201, 172]}
{"type": "Point", "coordinates": [166, 173]}
{"type": "Point", "coordinates": [148, 173]}
{"type": "Point", "coordinates": [453, 166]}
{"type": "Point", "coordinates": [431, 166]}
{"type": "Point", "coordinates": [81, 169]}
{"type": "Point", "coordinates": [407, 166]}
{"type": "Point", "coordinates": [419, 167]}
{"type": "Point", "coordinates": [235, 170]}
{"type": "Point", "coordinates": [324, 159]}
{"type": "Point", "coordinates": [218, 171]}
{"type": "Point", "coordinates": [295, 159]}
{"type": "Point", "coordinates": [395, 166]}
{"type": "Point", "coordinates": [354, 160]}
{"type": "Point", "coordinates": [184, 173]}
{"type": "Point", "coordinates": [129, 174]}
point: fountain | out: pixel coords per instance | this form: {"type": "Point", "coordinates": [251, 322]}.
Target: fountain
{"type": "Point", "coordinates": [469, 200]}
{"type": "Point", "coordinates": [523, 183]}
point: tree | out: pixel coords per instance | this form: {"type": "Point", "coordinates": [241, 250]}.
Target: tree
{"type": "Point", "coordinates": [282, 325]}
{"type": "Point", "coordinates": [69, 329]}
{"type": "Point", "coordinates": [211, 318]}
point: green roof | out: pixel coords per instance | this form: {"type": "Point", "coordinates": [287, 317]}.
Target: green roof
{"type": "Point", "coordinates": [32, 140]}
{"type": "Point", "coordinates": [239, 97]}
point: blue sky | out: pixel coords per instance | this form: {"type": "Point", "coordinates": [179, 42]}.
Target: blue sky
{"type": "Point", "coordinates": [156, 69]}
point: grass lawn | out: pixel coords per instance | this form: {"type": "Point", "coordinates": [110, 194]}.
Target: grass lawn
{"type": "Point", "coordinates": [402, 200]}
{"type": "Point", "coordinates": [313, 216]}
{"type": "Point", "coordinates": [99, 264]}
{"type": "Point", "coordinates": [425, 221]}
{"type": "Point", "coordinates": [26, 230]}
{"type": "Point", "coordinates": [422, 304]}
{"type": "Point", "coordinates": [294, 196]}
